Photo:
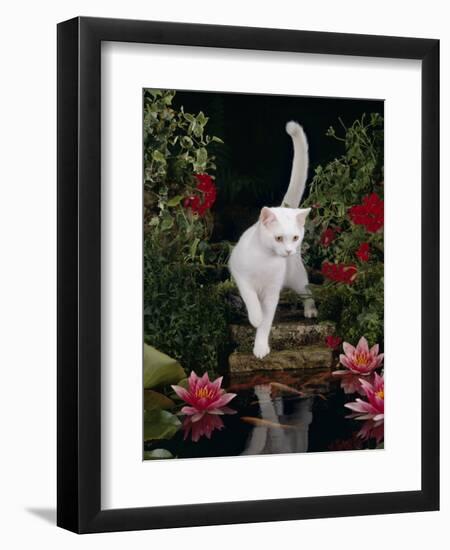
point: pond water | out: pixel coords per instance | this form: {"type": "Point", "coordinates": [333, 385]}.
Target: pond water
{"type": "Point", "coordinates": [277, 412]}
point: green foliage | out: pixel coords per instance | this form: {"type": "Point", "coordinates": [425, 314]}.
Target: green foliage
{"type": "Point", "coordinates": [176, 148]}
{"type": "Point", "coordinates": [358, 308]}
{"type": "Point", "coordinates": [175, 143]}
{"type": "Point", "coordinates": [183, 312]}
{"type": "Point", "coordinates": [157, 400]}
{"type": "Point", "coordinates": [160, 369]}
{"type": "Point", "coordinates": [160, 424]}
{"type": "Point", "coordinates": [157, 454]}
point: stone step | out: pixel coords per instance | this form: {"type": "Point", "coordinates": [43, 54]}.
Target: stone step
{"type": "Point", "coordinates": [310, 381]}
{"type": "Point", "coordinates": [290, 306]}
{"type": "Point", "coordinates": [306, 357]}
{"type": "Point", "coordinates": [284, 335]}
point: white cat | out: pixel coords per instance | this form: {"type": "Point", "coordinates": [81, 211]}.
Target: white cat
{"type": "Point", "coordinates": [267, 256]}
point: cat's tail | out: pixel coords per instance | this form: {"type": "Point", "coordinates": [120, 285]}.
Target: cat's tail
{"type": "Point", "coordinates": [299, 165]}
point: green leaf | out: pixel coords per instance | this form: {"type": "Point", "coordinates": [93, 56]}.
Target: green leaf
{"type": "Point", "coordinates": [158, 156]}
{"type": "Point", "coordinates": [202, 119]}
{"type": "Point", "coordinates": [216, 139]}
{"type": "Point", "coordinates": [157, 454]}
{"type": "Point", "coordinates": [201, 158]}
{"type": "Point", "coordinates": [160, 424]}
{"type": "Point", "coordinates": [194, 247]}
{"type": "Point", "coordinates": [167, 223]}
{"type": "Point", "coordinates": [155, 400]}
{"type": "Point", "coordinates": [184, 383]}
{"type": "Point", "coordinates": [186, 142]}
{"type": "Point", "coordinates": [174, 201]}
{"type": "Point", "coordinates": [160, 369]}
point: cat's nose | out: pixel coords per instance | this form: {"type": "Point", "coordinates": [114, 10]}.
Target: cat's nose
{"type": "Point", "coordinates": [289, 252]}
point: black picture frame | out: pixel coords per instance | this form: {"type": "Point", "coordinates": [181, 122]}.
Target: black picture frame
{"type": "Point", "coordinates": [79, 280]}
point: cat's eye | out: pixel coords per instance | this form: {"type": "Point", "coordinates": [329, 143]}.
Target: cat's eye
{"type": "Point", "coordinates": [295, 238]}
{"type": "Point", "coordinates": [279, 238]}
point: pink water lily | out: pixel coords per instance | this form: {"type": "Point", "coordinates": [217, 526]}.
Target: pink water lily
{"type": "Point", "coordinates": [204, 397]}
{"type": "Point", "coordinates": [373, 408]}
{"type": "Point", "coordinates": [360, 360]}
{"type": "Point", "coordinates": [372, 430]}
{"type": "Point", "coordinates": [350, 383]}
{"type": "Point", "coordinates": [205, 426]}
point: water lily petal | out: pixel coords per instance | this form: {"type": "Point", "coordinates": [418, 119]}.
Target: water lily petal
{"type": "Point", "coordinates": [358, 406]}
{"type": "Point", "coordinates": [189, 411]}
{"type": "Point", "coordinates": [222, 400]}
{"type": "Point", "coordinates": [374, 350]}
{"type": "Point", "coordinates": [228, 410]}
{"type": "Point", "coordinates": [215, 386]}
{"type": "Point", "coordinates": [193, 382]}
{"type": "Point", "coordinates": [349, 350]}
{"type": "Point", "coordinates": [181, 392]}
{"type": "Point", "coordinates": [368, 416]}
{"type": "Point", "coordinates": [362, 345]}
{"type": "Point", "coordinates": [345, 361]}
{"type": "Point", "coordinates": [197, 417]}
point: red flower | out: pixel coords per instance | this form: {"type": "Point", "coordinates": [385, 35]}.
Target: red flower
{"type": "Point", "coordinates": [199, 205]}
{"type": "Point", "coordinates": [327, 237]}
{"type": "Point", "coordinates": [333, 341]}
{"type": "Point", "coordinates": [363, 252]}
{"type": "Point", "coordinates": [341, 273]}
{"type": "Point", "coordinates": [194, 203]}
{"type": "Point", "coordinates": [370, 213]}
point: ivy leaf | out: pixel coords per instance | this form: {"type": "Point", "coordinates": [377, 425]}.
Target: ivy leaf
{"type": "Point", "coordinates": [216, 139]}
{"type": "Point", "coordinates": [194, 245]}
{"type": "Point", "coordinates": [167, 223]}
{"type": "Point", "coordinates": [174, 201]}
{"type": "Point", "coordinates": [186, 142]}
{"type": "Point", "coordinates": [201, 157]}
{"type": "Point", "coordinates": [158, 156]}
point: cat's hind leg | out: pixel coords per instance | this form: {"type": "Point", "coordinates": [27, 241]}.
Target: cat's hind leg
{"type": "Point", "coordinates": [297, 279]}
{"type": "Point", "coordinates": [251, 300]}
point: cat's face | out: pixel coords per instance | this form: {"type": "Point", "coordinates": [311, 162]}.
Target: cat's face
{"type": "Point", "coordinates": [282, 229]}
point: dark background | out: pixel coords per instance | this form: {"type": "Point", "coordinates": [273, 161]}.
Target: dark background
{"type": "Point", "coordinates": [253, 165]}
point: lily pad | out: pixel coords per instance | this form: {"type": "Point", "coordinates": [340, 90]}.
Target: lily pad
{"type": "Point", "coordinates": [160, 369]}
{"type": "Point", "coordinates": [156, 400]}
{"type": "Point", "coordinates": [157, 454]}
{"type": "Point", "coordinates": [159, 424]}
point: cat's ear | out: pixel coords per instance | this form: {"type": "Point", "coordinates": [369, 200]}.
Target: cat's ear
{"type": "Point", "coordinates": [302, 213]}
{"type": "Point", "coordinates": [267, 216]}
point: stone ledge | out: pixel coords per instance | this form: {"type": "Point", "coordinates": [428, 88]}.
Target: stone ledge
{"type": "Point", "coordinates": [309, 357]}
{"type": "Point", "coordinates": [283, 336]}
{"type": "Point", "coordinates": [289, 308]}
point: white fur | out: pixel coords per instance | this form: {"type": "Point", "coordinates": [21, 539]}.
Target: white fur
{"type": "Point", "coordinates": [267, 256]}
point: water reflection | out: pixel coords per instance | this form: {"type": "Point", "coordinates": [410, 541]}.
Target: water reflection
{"type": "Point", "coordinates": [276, 412]}
{"type": "Point", "coordinates": [281, 431]}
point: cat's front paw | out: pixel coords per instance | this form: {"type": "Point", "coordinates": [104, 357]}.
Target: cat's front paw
{"type": "Point", "coordinates": [261, 349]}
{"type": "Point", "coordinates": [310, 310]}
